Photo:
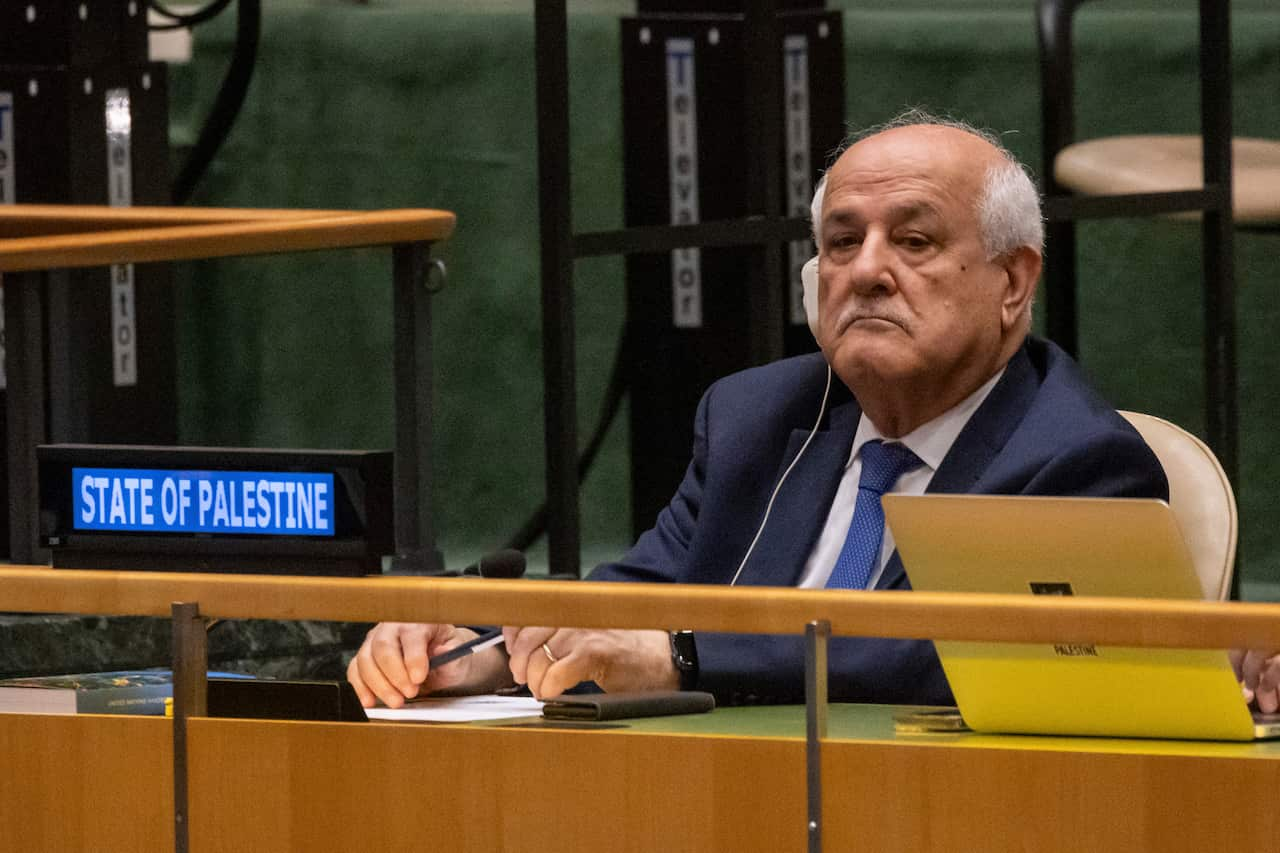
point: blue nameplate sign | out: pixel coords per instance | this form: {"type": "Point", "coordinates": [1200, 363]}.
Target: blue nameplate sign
{"type": "Point", "coordinates": [216, 509]}
{"type": "Point", "coordinates": [214, 502]}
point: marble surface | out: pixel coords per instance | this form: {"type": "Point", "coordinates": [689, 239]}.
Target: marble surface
{"type": "Point", "coordinates": [51, 644]}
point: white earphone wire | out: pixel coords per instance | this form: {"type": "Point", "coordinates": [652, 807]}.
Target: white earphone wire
{"type": "Point", "coordinates": [822, 410]}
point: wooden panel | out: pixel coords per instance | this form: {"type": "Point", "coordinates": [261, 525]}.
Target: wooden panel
{"type": "Point", "coordinates": [330, 787]}
{"type": "Point", "coordinates": [939, 616]}
{"type": "Point", "coordinates": [300, 786]}
{"type": "Point", "coordinates": [85, 783]}
{"type": "Point", "coordinates": [893, 797]}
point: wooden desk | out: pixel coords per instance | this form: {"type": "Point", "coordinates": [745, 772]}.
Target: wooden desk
{"type": "Point", "coordinates": [729, 781]}
{"type": "Point", "coordinates": [732, 780]}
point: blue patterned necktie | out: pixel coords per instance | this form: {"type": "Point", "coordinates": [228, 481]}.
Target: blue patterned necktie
{"type": "Point", "coordinates": [882, 465]}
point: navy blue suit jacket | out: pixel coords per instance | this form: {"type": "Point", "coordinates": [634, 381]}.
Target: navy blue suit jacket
{"type": "Point", "coordinates": [1041, 431]}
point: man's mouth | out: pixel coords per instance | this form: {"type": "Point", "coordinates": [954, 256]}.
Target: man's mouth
{"type": "Point", "coordinates": [870, 320]}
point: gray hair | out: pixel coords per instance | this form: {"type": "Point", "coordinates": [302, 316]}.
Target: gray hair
{"type": "Point", "coordinates": [1008, 208]}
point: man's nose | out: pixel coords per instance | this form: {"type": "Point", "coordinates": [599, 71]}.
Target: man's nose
{"type": "Point", "coordinates": [871, 267]}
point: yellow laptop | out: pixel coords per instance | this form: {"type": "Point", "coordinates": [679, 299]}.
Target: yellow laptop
{"type": "Point", "coordinates": [1070, 546]}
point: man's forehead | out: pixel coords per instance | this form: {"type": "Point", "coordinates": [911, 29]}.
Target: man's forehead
{"type": "Point", "coordinates": [916, 170]}
{"type": "Point", "coordinates": [931, 153]}
{"type": "Point", "coordinates": [903, 205]}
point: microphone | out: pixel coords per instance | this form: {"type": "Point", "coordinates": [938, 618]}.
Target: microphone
{"type": "Point", "coordinates": [507, 563]}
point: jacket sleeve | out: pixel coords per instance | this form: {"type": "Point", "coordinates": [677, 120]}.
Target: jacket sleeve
{"type": "Point", "coordinates": [661, 553]}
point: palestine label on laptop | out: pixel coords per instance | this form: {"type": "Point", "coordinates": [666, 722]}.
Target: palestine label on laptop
{"type": "Point", "coordinates": [1069, 546]}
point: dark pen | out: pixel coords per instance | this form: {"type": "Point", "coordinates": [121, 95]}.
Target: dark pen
{"type": "Point", "coordinates": [486, 640]}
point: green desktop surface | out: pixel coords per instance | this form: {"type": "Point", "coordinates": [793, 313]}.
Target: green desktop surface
{"type": "Point", "coordinates": [875, 723]}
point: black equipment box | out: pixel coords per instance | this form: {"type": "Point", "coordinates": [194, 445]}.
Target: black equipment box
{"type": "Point", "coordinates": [702, 7]}
{"type": "Point", "coordinates": [81, 33]}
{"type": "Point", "coordinates": [685, 114]}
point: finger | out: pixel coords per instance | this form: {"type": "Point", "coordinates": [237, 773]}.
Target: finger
{"type": "Point", "coordinates": [372, 676]}
{"type": "Point", "coordinates": [1268, 690]}
{"type": "Point", "coordinates": [391, 650]}
{"type": "Point", "coordinates": [1251, 668]}
{"type": "Point", "coordinates": [567, 672]}
{"type": "Point", "coordinates": [363, 693]}
{"type": "Point", "coordinates": [542, 659]}
{"type": "Point", "coordinates": [415, 642]}
{"type": "Point", "coordinates": [522, 647]}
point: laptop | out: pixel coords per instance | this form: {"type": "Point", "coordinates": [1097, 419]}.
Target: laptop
{"type": "Point", "coordinates": [1070, 546]}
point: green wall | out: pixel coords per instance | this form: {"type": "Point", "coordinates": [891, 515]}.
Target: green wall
{"type": "Point", "coordinates": [430, 104]}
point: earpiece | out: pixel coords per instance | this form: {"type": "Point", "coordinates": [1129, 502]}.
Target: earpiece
{"type": "Point", "coordinates": [809, 281]}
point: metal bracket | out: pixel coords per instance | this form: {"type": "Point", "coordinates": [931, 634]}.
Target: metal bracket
{"type": "Point", "coordinates": [816, 636]}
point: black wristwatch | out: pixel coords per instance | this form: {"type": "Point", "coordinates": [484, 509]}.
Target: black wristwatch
{"type": "Point", "coordinates": [684, 655]}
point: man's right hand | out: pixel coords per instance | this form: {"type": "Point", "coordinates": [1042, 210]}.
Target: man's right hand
{"type": "Point", "coordinates": [391, 665]}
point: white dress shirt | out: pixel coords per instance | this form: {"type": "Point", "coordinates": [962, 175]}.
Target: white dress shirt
{"type": "Point", "coordinates": [929, 441]}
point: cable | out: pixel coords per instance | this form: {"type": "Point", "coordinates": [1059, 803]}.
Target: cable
{"type": "Point", "coordinates": [822, 410]}
{"type": "Point", "coordinates": [226, 107]}
{"type": "Point", "coordinates": [181, 20]}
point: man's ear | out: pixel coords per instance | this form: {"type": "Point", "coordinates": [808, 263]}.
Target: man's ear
{"type": "Point", "coordinates": [1022, 273]}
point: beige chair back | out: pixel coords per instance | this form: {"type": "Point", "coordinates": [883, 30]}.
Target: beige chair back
{"type": "Point", "coordinates": [1201, 498]}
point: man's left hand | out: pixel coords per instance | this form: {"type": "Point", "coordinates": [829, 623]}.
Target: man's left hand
{"type": "Point", "coordinates": [552, 660]}
{"type": "Point", "coordinates": [1259, 675]}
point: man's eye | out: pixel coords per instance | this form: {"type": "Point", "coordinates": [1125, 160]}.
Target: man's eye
{"type": "Point", "coordinates": [845, 241]}
{"type": "Point", "coordinates": [915, 241]}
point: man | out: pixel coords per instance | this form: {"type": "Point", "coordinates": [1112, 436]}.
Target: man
{"type": "Point", "coordinates": [929, 249]}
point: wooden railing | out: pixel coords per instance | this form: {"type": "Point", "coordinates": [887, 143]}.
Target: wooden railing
{"type": "Point", "coordinates": [937, 616]}
{"type": "Point", "coordinates": [44, 236]}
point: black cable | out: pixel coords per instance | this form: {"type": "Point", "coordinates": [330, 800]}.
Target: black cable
{"type": "Point", "coordinates": [179, 20]}
{"type": "Point", "coordinates": [536, 525]}
{"type": "Point", "coordinates": [228, 103]}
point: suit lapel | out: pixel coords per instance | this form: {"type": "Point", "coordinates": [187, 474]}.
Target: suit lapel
{"type": "Point", "coordinates": [801, 506]}
{"type": "Point", "coordinates": [977, 445]}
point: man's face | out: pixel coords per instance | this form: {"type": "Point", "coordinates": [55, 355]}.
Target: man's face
{"type": "Point", "coordinates": [907, 297]}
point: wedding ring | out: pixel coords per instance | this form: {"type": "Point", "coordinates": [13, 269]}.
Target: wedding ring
{"type": "Point", "coordinates": [546, 650]}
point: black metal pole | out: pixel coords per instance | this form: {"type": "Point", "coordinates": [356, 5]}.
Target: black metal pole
{"type": "Point", "coordinates": [762, 57]}
{"type": "Point", "coordinates": [556, 233]}
{"type": "Point", "coordinates": [1218, 270]}
{"type": "Point", "coordinates": [416, 551]}
{"type": "Point", "coordinates": [24, 406]}
{"type": "Point", "coordinates": [1057, 120]}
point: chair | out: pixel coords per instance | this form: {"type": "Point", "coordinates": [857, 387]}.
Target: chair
{"type": "Point", "coordinates": [1155, 175]}
{"type": "Point", "coordinates": [1201, 498]}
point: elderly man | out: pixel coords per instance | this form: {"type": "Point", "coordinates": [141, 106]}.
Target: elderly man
{"type": "Point", "coordinates": [929, 236]}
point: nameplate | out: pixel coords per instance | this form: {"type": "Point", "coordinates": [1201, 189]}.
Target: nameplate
{"type": "Point", "coordinates": [213, 502]}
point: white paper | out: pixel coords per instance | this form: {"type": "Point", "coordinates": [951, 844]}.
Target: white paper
{"type": "Point", "coordinates": [460, 709]}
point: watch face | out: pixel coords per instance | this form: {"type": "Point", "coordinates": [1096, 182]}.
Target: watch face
{"type": "Point", "coordinates": [684, 651]}
{"type": "Point", "coordinates": [684, 656]}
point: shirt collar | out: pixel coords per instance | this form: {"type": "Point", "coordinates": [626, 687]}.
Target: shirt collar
{"type": "Point", "coordinates": [930, 441]}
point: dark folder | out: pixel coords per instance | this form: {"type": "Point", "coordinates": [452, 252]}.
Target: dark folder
{"type": "Point", "coordinates": [620, 706]}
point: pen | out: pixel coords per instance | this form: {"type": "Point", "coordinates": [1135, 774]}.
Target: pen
{"type": "Point", "coordinates": [486, 640]}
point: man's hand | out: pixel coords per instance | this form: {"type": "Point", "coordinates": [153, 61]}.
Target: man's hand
{"type": "Point", "coordinates": [1259, 675]}
{"type": "Point", "coordinates": [551, 660]}
{"type": "Point", "coordinates": [391, 665]}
